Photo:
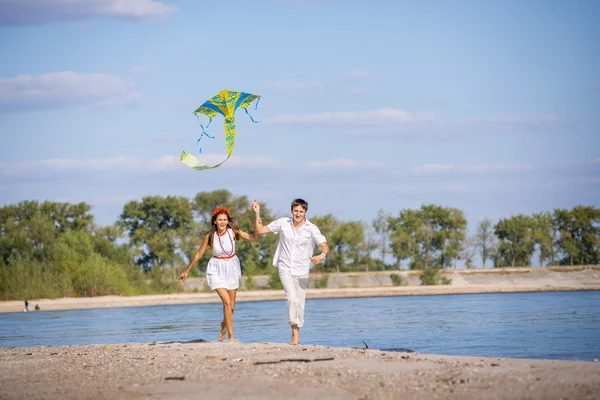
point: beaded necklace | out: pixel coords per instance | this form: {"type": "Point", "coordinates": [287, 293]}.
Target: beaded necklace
{"type": "Point", "coordinates": [221, 243]}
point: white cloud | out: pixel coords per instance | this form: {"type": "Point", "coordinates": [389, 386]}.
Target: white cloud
{"type": "Point", "coordinates": [356, 74]}
{"type": "Point", "coordinates": [293, 86]}
{"type": "Point", "coordinates": [40, 11]}
{"type": "Point", "coordinates": [253, 162]}
{"type": "Point", "coordinates": [529, 121]}
{"type": "Point", "coordinates": [451, 168]}
{"type": "Point", "coordinates": [379, 117]}
{"type": "Point", "coordinates": [347, 164]}
{"type": "Point", "coordinates": [428, 126]}
{"type": "Point", "coordinates": [65, 89]}
{"type": "Point", "coordinates": [121, 165]}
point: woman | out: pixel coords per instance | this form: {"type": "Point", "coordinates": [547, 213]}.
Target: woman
{"type": "Point", "coordinates": [223, 272]}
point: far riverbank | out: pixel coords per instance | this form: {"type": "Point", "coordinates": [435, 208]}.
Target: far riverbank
{"type": "Point", "coordinates": [355, 284]}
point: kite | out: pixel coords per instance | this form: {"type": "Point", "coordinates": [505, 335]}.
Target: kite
{"type": "Point", "coordinates": [226, 102]}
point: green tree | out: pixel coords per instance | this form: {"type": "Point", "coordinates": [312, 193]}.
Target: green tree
{"type": "Point", "coordinates": [327, 224]}
{"type": "Point", "coordinates": [430, 236]}
{"type": "Point", "coordinates": [403, 237]}
{"type": "Point", "coordinates": [369, 246]}
{"type": "Point", "coordinates": [516, 239]}
{"type": "Point", "coordinates": [494, 254]}
{"type": "Point", "coordinates": [483, 239]}
{"type": "Point", "coordinates": [468, 251]}
{"type": "Point", "coordinates": [382, 228]}
{"type": "Point", "coordinates": [347, 243]}
{"type": "Point", "coordinates": [579, 234]}
{"type": "Point", "coordinates": [453, 234]}
{"type": "Point", "coordinates": [544, 237]}
{"type": "Point", "coordinates": [30, 227]}
{"type": "Point", "coordinates": [156, 227]}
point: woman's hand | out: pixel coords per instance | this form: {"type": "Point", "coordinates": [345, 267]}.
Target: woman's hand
{"type": "Point", "coordinates": [256, 207]}
{"type": "Point", "coordinates": [184, 275]}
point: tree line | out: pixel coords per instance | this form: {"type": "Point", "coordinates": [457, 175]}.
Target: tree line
{"type": "Point", "coordinates": [53, 249]}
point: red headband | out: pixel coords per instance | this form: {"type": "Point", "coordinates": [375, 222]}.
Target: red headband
{"type": "Point", "coordinates": [221, 209]}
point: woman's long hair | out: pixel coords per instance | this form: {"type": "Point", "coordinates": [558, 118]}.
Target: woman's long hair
{"type": "Point", "coordinates": [230, 224]}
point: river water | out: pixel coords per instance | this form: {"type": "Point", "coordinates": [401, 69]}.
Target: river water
{"type": "Point", "coordinates": [555, 325]}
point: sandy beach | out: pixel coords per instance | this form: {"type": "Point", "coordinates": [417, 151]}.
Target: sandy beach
{"type": "Point", "coordinates": [281, 371]}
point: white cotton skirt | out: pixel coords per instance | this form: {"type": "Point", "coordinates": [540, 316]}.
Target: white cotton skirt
{"type": "Point", "coordinates": [223, 273]}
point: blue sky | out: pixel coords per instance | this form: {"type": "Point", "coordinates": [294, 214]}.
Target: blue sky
{"type": "Point", "coordinates": [492, 107]}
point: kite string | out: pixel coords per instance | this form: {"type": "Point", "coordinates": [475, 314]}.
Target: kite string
{"type": "Point", "coordinates": [203, 132]}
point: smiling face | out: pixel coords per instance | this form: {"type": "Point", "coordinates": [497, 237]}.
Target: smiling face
{"type": "Point", "coordinates": [221, 221]}
{"type": "Point", "coordinates": [298, 213]}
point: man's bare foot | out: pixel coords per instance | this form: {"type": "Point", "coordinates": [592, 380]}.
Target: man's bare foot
{"type": "Point", "coordinates": [223, 331]}
{"type": "Point", "coordinates": [295, 336]}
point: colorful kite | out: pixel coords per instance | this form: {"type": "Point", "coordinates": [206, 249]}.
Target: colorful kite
{"type": "Point", "coordinates": [224, 103]}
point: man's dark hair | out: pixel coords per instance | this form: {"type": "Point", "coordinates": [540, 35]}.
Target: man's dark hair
{"type": "Point", "coordinates": [300, 202]}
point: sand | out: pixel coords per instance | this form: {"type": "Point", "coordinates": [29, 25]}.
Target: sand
{"type": "Point", "coordinates": [277, 370]}
{"type": "Point", "coordinates": [215, 370]}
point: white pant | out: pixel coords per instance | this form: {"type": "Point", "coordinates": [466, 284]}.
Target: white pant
{"type": "Point", "coordinates": [295, 295]}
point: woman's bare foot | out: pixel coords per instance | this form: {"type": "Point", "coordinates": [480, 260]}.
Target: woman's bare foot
{"type": "Point", "coordinates": [223, 331]}
{"type": "Point", "coordinates": [295, 335]}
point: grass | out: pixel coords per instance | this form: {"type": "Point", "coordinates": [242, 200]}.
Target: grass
{"type": "Point", "coordinates": [513, 272]}
{"type": "Point", "coordinates": [566, 269]}
{"type": "Point", "coordinates": [396, 279]}
{"type": "Point", "coordinates": [322, 282]}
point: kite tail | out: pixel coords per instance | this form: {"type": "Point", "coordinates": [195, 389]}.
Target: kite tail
{"type": "Point", "coordinates": [229, 134]}
{"type": "Point", "coordinates": [192, 161]}
{"type": "Point", "coordinates": [256, 122]}
{"type": "Point", "coordinates": [203, 133]}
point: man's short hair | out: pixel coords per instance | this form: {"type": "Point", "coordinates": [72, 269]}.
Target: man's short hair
{"type": "Point", "coordinates": [300, 202]}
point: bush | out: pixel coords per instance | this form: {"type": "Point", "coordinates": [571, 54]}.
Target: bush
{"type": "Point", "coordinates": [323, 282]}
{"type": "Point", "coordinates": [250, 282]}
{"type": "Point", "coordinates": [445, 281]}
{"type": "Point", "coordinates": [274, 281]}
{"type": "Point", "coordinates": [396, 279]}
{"type": "Point", "coordinates": [430, 276]}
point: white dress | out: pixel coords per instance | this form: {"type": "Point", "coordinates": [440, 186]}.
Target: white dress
{"type": "Point", "coordinates": [223, 270]}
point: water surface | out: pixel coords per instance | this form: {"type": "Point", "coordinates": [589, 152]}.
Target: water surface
{"type": "Point", "coordinates": [555, 325]}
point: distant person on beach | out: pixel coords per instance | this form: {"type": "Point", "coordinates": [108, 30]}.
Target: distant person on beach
{"type": "Point", "coordinates": [223, 272]}
{"type": "Point", "coordinates": [37, 307]}
{"type": "Point", "coordinates": [26, 306]}
{"type": "Point", "coordinates": [293, 257]}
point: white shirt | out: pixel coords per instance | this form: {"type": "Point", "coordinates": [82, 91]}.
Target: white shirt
{"type": "Point", "coordinates": [295, 247]}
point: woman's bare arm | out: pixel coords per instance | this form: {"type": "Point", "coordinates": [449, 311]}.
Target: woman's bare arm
{"type": "Point", "coordinates": [184, 275]}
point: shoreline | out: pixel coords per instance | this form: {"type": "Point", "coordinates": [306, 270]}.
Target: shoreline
{"type": "Point", "coordinates": [175, 370]}
{"type": "Point", "coordinates": [76, 303]}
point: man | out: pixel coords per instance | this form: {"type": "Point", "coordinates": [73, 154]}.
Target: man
{"type": "Point", "coordinates": [293, 257]}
